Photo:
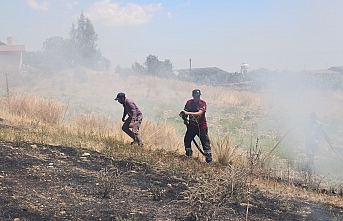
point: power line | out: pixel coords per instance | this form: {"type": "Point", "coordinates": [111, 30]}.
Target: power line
{"type": "Point", "coordinates": [218, 52]}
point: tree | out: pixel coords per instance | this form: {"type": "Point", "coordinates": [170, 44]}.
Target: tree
{"type": "Point", "coordinates": [167, 68]}
{"type": "Point", "coordinates": [152, 65]}
{"type": "Point", "coordinates": [79, 50]}
{"type": "Point", "coordinates": [103, 64]}
{"type": "Point", "coordinates": [138, 68]}
{"type": "Point", "coordinates": [159, 68]}
{"type": "Point", "coordinates": [84, 37]}
{"type": "Point", "coordinates": [58, 53]}
{"type": "Point", "coordinates": [32, 58]}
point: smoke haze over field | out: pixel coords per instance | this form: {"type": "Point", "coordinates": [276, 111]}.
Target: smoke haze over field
{"type": "Point", "coordinates": [267, 113]}
{"type": "Point", "coordinates": [291, 99]}
{"type": "Point", "coordinates": [293, 35]}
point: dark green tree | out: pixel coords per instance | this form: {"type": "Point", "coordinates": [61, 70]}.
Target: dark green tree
{"type": "Point", "coordinates": [158, 68]}
{"type": "Point", "coordinates": [80, 50]}
{"type": "Point", "coordinates": [167, 69]}
{"type": "Point", "coordinates": [84, 37]}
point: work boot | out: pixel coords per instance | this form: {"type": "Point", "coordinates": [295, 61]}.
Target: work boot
{"type": "Point", "coordinates": [209, 158]}
{"type": "Point", "coordinates": [189, 153]}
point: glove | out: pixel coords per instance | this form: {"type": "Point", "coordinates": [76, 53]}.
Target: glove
{"type": "Point", "coordinates": [182, 115]}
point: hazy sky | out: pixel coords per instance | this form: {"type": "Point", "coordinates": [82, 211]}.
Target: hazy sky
{"type": "Point", "coordinates": [272, 34]}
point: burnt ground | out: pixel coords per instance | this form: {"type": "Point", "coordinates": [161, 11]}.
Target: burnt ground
{"type": "Point", "coordinates": [45, 182]}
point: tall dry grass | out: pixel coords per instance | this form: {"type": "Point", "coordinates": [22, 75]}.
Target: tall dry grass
{"type": "Point", "coordinates": [174, 89]}
{"type": "Point", "coordinates": [159, 135]}
{"type": "Point", "coordinates": [35, 108]}
{"type": "Point", "coordinates": [226, 153]}
{"type": "Point", "coordinates": [40, 119]}
{"type": "Point", "coordinates": [44, 115]}
{"type": "Point", "coordinates": [155, 135]}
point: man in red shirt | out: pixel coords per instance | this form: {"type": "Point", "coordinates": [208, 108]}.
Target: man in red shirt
{"type": "Point", "coordinates": [195, 109]}
{"type": "Point", "coordinates": [133, 121]}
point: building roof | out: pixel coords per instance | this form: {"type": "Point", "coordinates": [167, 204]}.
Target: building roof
{"type": "Point", "coordinates": [322, 71]}
{"type": "Point", "coordinates": [202, 71]}
{"type": "Point", "coordinates": [337, 69]}
{"type": "Point", "coordinates": [1, 43]}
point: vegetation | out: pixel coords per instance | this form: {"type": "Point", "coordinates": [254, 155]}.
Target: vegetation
{"type": "Point", "coordinates": [244, 126]}
{"type": "Point", "coordinates": [59, 54]}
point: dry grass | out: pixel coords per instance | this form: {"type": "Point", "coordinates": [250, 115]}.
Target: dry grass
{"type": "Point", "coordinates": [39, 120]}
{"type": "Point", "coordinates": [212, 192]}
{"type": "Point", "coordinates": [158, 87]}
{"type": "Point", "coordinates": [160, 135]}
{"type": "Point", "coordinates": [225, 153]}
{"type": "Point", "coordinates": [34, 108]}
{"type": "Point", "coordinates": [230, 181]}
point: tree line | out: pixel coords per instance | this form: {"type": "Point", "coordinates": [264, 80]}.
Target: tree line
{"type": "Point", "coordinates": [80, 49]}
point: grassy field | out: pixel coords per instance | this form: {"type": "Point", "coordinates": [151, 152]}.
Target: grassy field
{"type": "Point", "coordinates": [80, 111]}
{"type": "Point", "coordinates": [75, 110]}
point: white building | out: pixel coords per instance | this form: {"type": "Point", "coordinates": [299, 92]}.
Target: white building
{"type": "Point", "coordinates": [11, 55]}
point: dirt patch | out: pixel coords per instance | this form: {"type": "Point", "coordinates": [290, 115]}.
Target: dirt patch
{"type": "Point", "coordinates": [45, 182]}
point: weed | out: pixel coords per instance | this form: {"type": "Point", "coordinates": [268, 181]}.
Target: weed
{"type": "Point", "coordinates": [106, 182]}
{"type": "Point", "coordinates": [156, 192]}
{"type": "Point", "coordinates": [210, 193]}
{"type": "Point", "coordinates": [224, 152]}
{"type": "Point", "coordinates": [19, 140]}
{"type": "Point", "coordinates": [286, 205]}
{"type": "Point", "coordinates": [120, 218]}
{"type": "Point", "coordinates": [335, 216]}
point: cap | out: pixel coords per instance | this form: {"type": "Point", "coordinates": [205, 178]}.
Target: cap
{"type": "Point", "coordinates": [119, 95]}
{"type": "Point", "coordinates": [196, 92]}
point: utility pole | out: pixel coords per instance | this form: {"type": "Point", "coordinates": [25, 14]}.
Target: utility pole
{"type": "Point", "coordinates": [190, 67]}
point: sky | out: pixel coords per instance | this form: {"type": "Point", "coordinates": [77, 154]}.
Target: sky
{"type": "Point", "coordinates": [273, 34]}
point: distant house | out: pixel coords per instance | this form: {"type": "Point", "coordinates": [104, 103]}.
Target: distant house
{"type": "Point", "coordinates": [337, 69]}
{"type": "Point", "coordinates": [201, 71]}
{"type": "Point", "coordinates": [11, 55]}
{"type": "Point", "coordinates": [209, 75]}
{"type": "Point", "coordinates": [326, 78]}
{"type": "Point", "coordinates": [322, 72]}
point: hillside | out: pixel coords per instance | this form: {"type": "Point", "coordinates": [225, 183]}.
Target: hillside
{"type": "Point", "coordinates": [46, 182]}
{"type": "Point", "coordinates": [63, 155]}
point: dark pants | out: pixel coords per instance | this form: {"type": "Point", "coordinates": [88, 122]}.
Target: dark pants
{"type": "Point", "coordinates": [203, 135]}
{"type": "Point", "coordinates": [134, 133]}
{"type": "Point", "coordinates": [311, 149]}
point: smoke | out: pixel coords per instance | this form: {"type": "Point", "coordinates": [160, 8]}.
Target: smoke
{"type": "Point", "coordinates": [288, 99]}
{"type": "Point", "coordinates": [292, 97]}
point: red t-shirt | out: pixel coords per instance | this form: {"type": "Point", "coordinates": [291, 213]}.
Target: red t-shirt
{"type": "Point", "coordinates": [196, 122]}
